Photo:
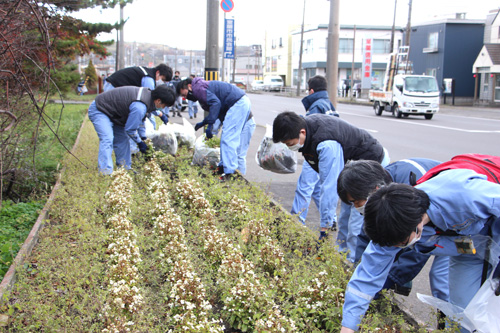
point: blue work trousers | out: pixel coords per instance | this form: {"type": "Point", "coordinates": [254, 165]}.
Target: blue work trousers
{"type": "Point", "coordinates": [308, 185]}
{"type": "Point", "coordinates": [192, 109]}
{"type": "Point", "coordinates": [111, 138]}
{"type": "Point", "coordinates": [234, 140]}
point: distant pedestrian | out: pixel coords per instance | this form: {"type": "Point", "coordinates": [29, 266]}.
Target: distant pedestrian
{"type": "Point", "coordinates": [192, 105]}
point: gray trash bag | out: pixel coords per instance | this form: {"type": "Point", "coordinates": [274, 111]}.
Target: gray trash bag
{"type": "Point", "coordinates": [275, 157]}
{"type": "Point", "coordinates": [164, 139]}
{"type": "Point", "coordinates": [204, 155]}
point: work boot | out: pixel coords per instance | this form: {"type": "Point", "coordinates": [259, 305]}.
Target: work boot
{"type": "Point", "coordinates": [226, 177]}
{"type": "Point", "coordinates": [334, 226]}
{"type": "Point", "coordinates": [219, 170]}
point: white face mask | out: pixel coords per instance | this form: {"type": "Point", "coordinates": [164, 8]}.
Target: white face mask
{"type": "Point", "coordinates": [361, 209]}
{"type": "Point", "coordinates": [295, 147]}
{"type": "Point", "coordinates": [413, 241]}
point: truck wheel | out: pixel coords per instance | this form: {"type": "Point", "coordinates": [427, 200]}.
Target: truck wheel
{"type": "Point", "coordinates": [377, 108]}
{"type": "Point", "coordinates": [396, 111]}
{"type": "Point", "coordinates": [428, 116]}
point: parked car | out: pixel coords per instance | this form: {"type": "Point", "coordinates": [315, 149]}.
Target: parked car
{"type": "Point", "coordinates": [257, 85]}
{"type": "Point", "coordinates": [240, 84]}
{"type": "Point", "coordinates": [273, 83]}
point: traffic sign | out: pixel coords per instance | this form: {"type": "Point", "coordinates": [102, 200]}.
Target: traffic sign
{"type": "Point", "coordinates": [227, 5]}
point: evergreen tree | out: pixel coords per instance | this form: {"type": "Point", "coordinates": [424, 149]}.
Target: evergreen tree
{"type": "Point", "coordinates": [91, 74]}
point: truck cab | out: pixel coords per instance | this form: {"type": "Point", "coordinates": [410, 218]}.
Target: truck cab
{"type": "Point", "coordinates": [415, 95]}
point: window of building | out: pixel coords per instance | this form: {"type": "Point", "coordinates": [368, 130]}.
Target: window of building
{"type": "Point", "coordinates": [381, 46]}
{"type": "Point", "coordinates": [345, 45]}
{"type": "Point", "coordinates": [497, 88]}
{"type": "Point", "coordinates": [486, 81]}
{"type": "Point", "coordinates": [308, 46]}
{"type": "Point", "coordinates": [432, 42]}
{"type": "Point", "coordinates": [274, 65]}
{"type": "Point", "coordinates": [431, 72]}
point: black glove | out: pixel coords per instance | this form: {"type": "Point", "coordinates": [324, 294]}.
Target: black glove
{"type": "Point", "coordinates": [143, 147]}
{"type": "Point", "coordinates": [198, 126]}
{"type": "Point", "coordinates": [164, 118]}
{"type": "Point", "coordinates": [208, 131]}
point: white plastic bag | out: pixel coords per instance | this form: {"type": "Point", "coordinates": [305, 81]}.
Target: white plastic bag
{"type": "Point", "coordinates": [165, 140]}
{"type": "Point", "coordinates": [185, 133]}
{"type": "Point", "coordinates": [150, 128]}
{"type": "Point", "coordinates": [482, 313]}
{"type": "Point", "coordinates": [204, 155]}
{"type": "Point", "coordinates": [275, 157]}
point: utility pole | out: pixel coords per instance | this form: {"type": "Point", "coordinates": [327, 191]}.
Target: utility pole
{"type": "Point", "coordinates": [299, 72]}
{"type": "Point", "coordinates": [212, 45]}
{"type": "Point", "coordinates": [393, 27]}
{"type": "Point", "coordinates": [222, 69]}
{"type": "Point", "coordinates": [121, 60]}
{"type": "Point", "coordinates": [234, 60]}
{"type": "Point", "coordinates": [332, 58]}
{"type": "Point", "coordinates": [352, 64]}
{"type": "Point", "coordinates": [408, 26]}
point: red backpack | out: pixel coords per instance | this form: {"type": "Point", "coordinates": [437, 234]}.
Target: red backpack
{"type": "Point", "coordinates": [483, 164]}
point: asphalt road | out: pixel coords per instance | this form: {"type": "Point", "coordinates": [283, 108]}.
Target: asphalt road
{"type": "Point", "coordinates": [453, 131]}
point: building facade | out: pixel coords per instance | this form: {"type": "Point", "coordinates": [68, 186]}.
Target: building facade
{"type": "Point", "coordinates": [351, 39]}
{"type": "Point", "coordinates": [446, 49]}
{"type": "Point", "coordinates": [486, 68]}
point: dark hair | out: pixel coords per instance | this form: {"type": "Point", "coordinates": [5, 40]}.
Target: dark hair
{"type": "Point", "coordinates": [165, 94]}
{"type": "Point", "coordinates": [393, 212]}
{"type": "Point", "coordinates": [287, 125]}
{"type": "Point", "coordinates": [183, 84]}
{"type": "Point", "coordinates": [360, 178]}
{"type": "Point", "coordinates": [165, 71]}
{"type": "Point", "coordinates": [317, 83]}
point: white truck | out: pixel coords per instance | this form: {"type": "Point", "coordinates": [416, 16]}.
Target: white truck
{"type": "Point", "coordinates": [406, 94]}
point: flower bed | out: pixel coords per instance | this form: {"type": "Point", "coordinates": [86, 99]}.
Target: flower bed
{"type": "Point", "coordinates": [170, 249]}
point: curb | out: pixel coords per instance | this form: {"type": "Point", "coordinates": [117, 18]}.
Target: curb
{"type": "Point", "coordinates": [10, 277]}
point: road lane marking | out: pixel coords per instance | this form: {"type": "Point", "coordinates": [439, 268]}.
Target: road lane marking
{"type": "Point", "coordinates": [426, 125]}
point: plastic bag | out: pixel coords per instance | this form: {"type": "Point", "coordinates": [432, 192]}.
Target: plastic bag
{"type": "Point", "coordinates": [481, 314]}
{"type": "Point", "coordinates": [185, 133]}
{"type": "Point", "coordinates": [150, 128]}
{"type": "Point", "coordinates": [275, 157]}
{"type": "Point", "coordinates": [204, 155]}
{"type": "Point", "coordinates": [165, 140]}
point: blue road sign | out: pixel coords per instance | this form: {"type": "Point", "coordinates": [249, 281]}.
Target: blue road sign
{"type": "Point", "coordinates": [229, 38]}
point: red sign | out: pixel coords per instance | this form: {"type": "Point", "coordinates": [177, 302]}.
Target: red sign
{"type": "Point", "coordinates": [227, 5]}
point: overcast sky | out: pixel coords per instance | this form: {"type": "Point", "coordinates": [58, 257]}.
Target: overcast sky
{"type": "Point", "coordinates": [182, 23]}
